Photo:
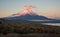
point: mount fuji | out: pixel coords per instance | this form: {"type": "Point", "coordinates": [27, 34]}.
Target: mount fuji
{"type": "Point", "coordinates": [29, 15]}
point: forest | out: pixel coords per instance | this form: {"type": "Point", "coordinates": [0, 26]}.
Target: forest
{"type": "Point", "coordinates": [24, 27]}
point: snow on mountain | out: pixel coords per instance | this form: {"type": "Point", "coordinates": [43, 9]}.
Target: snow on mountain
{"type": "Point", "coordinates": [27, 11]}
{"type": "Point", "coordinates": [27, 14]}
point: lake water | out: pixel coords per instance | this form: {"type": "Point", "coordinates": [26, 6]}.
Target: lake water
{"type": "Point", "coordinates": [54, 24]}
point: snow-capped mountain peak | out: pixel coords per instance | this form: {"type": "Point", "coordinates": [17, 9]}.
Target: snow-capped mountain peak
{"type": "Point", "coordinates": [27, 11]}
{"type": "Point", "coordinates": [27, 14]}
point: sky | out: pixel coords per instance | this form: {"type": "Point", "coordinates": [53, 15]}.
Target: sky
{"type": "Point", "coordinates": [48, 8]}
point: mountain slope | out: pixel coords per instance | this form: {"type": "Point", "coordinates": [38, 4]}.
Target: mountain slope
{"type": "Point", "coordinates": [28, 17]}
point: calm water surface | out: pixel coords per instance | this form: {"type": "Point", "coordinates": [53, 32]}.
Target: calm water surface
{"type": "Point", "coordinates": [54, 24]}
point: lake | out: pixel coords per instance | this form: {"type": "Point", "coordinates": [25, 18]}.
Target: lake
{"type": "Point", "coordinates": [54, 24]}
